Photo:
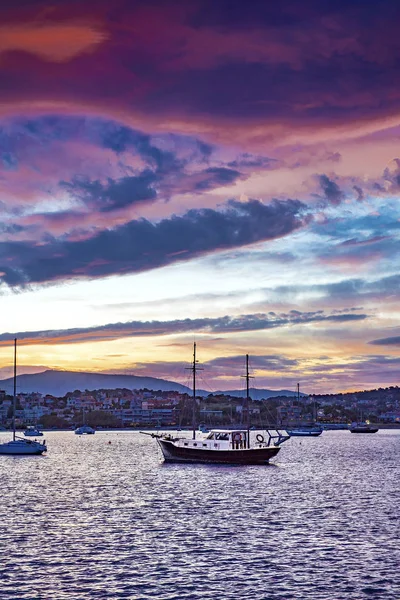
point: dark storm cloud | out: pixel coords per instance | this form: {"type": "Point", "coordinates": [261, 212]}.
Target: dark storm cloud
{"type": "Point", "coordinates": [226, 324]}
{"type": "Point", "coordinates": [141, 245]}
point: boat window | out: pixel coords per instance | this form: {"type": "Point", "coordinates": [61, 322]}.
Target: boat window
{"type": "Point", "coordinates": [210, 436]}
{"type": "Point", "coordinates": [222, 436]}
{"type": "Point", "coordinates": [194, 444]}
{"type": "Point", "coordinates": [186, 443]}
{"type": "Point", "coordinates": [205, 445]}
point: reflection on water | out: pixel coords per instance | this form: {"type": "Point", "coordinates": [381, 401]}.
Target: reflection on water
{"type": "Point", "coordinates": [99, 520]}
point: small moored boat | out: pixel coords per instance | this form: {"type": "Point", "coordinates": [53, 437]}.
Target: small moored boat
{"type": "Point", "coordinates": [85, 430]}
{"type": "Point", "coordinates": [32, 431]}
{"type": "Point", "coordinates": [364, 427]}
{"type": "Point", "coordinates": [20, 446]}
{"type": "Point", "coordinates": [305, 430]}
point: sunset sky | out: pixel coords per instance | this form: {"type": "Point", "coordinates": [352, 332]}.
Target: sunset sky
{"type": "Point", "coordinates": [212, 170]}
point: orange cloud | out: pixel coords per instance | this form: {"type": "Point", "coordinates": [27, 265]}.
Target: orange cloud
{"type": "Point", "coordinates": [55, 42]}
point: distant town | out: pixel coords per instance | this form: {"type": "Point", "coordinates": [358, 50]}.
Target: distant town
{"type": "Point", "coordinates": [123, 408]}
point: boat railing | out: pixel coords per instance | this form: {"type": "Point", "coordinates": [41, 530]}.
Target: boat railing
{"type": "Point", "coordinates": [277, 438]}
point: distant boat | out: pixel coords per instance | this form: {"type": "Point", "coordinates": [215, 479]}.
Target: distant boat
{"type": "Point", "coordinates": [20, 446]}
{"type": "Point", "coordinates": [363, 427]}
{"type": "Point", "coordinates": [305, 430]}
{"type": "Point", "coordinates": [32, 431]}
{"type": "Point", "coordinates": [232, 447]}
{"type": "Point", "coordinates": [85, 430]}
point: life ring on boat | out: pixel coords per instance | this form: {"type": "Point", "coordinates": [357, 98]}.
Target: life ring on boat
{"type": "Point", "coordinates": [237, 437]}
{"type": "Point", "coordinates": [260, 438]}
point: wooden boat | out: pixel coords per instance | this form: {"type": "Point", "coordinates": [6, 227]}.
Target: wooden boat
{"type": "Point", "coordinates": [234, 447]}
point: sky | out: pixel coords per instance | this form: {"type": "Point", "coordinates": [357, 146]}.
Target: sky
{"type": "Point", "coordinates": [224, 172]}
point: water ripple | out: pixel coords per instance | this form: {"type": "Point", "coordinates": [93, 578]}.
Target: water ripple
{"type": "Point", "coordinates": [100, 520]}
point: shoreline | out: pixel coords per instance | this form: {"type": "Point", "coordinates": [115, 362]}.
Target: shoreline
{"type": "Point", "coordinates": [172, 428]}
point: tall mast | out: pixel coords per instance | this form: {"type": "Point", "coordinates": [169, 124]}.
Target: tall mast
{"type": "Point", "coordinates": [15, 386]}
{"type": "Point", "coordinates": [248, 400]}
{"type": "Point", "coordinates": [194, 368]}
{"type": "Point", "coordinates": [194, 391]}
{"type": "Point", "coordinates": [300, 413]}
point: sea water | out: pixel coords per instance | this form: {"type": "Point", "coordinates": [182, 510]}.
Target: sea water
{"type": "Point", "coordinates": [103, 517]}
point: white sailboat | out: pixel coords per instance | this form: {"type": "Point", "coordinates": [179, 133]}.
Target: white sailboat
{"type": "Point", "coordinates": [32, 431]}
{"type": "Point", "coordinates": [84, 429]}
{"type": "Point", "coordinates": [20, 446]}
{"type": "Point", "coordinates": [307, 429]}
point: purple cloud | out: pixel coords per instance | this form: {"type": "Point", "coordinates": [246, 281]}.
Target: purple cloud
{"type": "Point", "coordinates": [141, 245]}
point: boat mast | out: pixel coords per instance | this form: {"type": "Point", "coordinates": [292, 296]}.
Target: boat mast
{"type": "Point", "coordinates": [248, 400]}
{"type": "Point", "coordinates": [194, 368]}
{"type": "Point", "coordinates": [298, 401]}
{"type": "Point", "coordinates": [15, 386]}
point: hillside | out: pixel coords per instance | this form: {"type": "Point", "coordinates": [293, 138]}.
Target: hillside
{"type": "Point", "coordinates": [59, 383]}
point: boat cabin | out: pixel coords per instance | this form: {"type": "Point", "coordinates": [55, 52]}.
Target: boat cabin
{"type": "Point", "coordinates": [223, 439]}
{"type": "Point", "coordinates": [236, 439]}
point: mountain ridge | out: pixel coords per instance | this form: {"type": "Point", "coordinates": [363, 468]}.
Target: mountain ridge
{"type": "Point", "coordinates": [59, 383]}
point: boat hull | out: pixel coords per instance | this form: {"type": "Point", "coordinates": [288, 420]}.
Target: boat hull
{"type": "Point", "coordinates": [357, 430]}
{"type": "Point", "coordinates": [22, 449]}
{"type": "Point", "coordinates": [252, 456]}
{"type": "Point", "coordinates": [85, 430]}
{"type": "Point", "coordinates": [304, 433]}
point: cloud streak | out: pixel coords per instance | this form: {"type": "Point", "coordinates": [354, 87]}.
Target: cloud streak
{"type": "Point", "coordinates": [54, 42]}
{"type": "Point", "coordinates": [389, 341]}
{"type": "Point", "coordinates": [220, 325]}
